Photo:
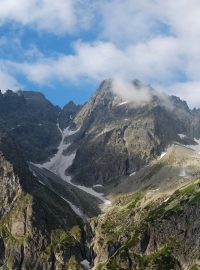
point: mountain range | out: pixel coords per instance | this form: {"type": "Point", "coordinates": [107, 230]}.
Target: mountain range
{"type": "Point", "coordinates": [109, 184]}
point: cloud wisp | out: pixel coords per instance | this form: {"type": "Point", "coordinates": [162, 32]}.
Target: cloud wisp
{"type": "Point", "coordinates": [58, 17]}
{"type": "Point", "coordinates": [131, 92]}
{"type": "Point", "coordinates": [137, 94]}
{"type": "Point", "coordinates": [100, 60]}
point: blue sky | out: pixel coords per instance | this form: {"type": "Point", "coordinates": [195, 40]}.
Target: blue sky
{"type": "Point", "coordinates": [65, 48]}
{"type": "Point", "coordinates": [29, 44]}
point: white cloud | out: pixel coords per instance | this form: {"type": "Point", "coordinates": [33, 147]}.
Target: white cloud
{"type": "Point", "coordinates": [137, 95]}
{"type": "Point", "coordinates": [159, 61]}
{"type": "Point", "coordinates": [94, 61]}
{"type": "Point", "coordinates": [143, 20]}
{"type": "Point", "coordinates": [60, 16]}
{"type": "Point", "coordinates": [127, 21]}
{"type": "Point", "coordinates": [154, 61]}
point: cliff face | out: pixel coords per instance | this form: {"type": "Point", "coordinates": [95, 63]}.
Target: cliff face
{"type": "Point", "coordinates": [38, 229]}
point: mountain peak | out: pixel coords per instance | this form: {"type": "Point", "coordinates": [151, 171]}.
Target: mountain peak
{"type": "Point", "coordinates": [31, 95]}
{"type": "Point", "coordinates": [133, 93]}
{"type": "Point", "coordinates": [106, 84]}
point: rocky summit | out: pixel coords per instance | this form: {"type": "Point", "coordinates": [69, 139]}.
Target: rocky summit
{"type": "Point", "coordinates": [110, 184]}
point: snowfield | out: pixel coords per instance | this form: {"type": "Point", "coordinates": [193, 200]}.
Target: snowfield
{"type": "Point", "coordinates": [59, 163]}
{"type": "Point", "coordinates": [74, 208]}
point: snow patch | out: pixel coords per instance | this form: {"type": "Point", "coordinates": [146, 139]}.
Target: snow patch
{"type": "Point", "coordinates": [182, 136]}
{"type": "Point", "coordinates": [87, 190]}
{"type": "Point", "coordinates": [182, 173]}
{"type": "Point", "coordinates": [122, 103]}
{"type": "Point", "coordinates": [33, 173]}
{"type": "Point", "coordinates": [107, 202]}
{"type": "Point", "coordinates": [16, 127]}
{"type": "Point", "coordinates": [162, 155]}
{"type": "Point", "coordinates": [41, 183]}
{"type": "Point", "coordinates": [154, 190]}
{"type": "Point", "coordinates": [133, 173]}
{"type": "Point", "coordinates": [98, 185]}
{"type": "Point", "coordinates": [59, 161]}
{"type": "Point", "coordinates": [86, 264]}
{"type": "Point", "coordinates": [74, 208]}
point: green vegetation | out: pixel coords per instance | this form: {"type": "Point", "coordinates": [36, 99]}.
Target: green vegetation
{"type": "Point", "coordinates": [115, 225]}
{"type": "Point", "coordinates": [5, 267]}
{"type": "Point", "coordinates": [163, 259]}
{"type": "Point", "coordinates": [61, 239]}
{"type": "Point", "coordinates": [175, 205]}
{"type": "Point", "coordinates": [195, 267]}
{"type": "Point", "coordinates": [73, 264]}
{"type": "Point", "coordinates": [75, 232]}
{"type": "Point", "coordinates": [100, 266]}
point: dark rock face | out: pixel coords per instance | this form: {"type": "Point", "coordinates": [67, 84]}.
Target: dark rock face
{"type": "Point", "coordinates": [67, 114]}
{"type": "Point", "coordinates": [31, 120]}
{"type": "Point", "coordinates": [2, 252]}
{"type": "Point", "coordinates": [195, 125]}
